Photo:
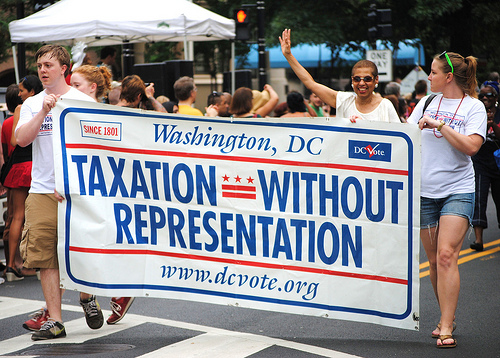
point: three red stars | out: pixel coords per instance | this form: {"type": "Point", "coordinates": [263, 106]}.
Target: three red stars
{"type": "Point", "coordinates": [237, 179]}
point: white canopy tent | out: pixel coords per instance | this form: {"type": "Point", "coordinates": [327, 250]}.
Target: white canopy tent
{"type": "Point", "coordinates": [113, 22]}
{"type": "Point", "coordinates": [117, 22]}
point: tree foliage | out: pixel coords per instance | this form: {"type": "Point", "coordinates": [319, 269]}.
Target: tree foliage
{"type": "Point", "coordinates": [7, 14]}
{"type": "Point", "coordinates": [464, 26]}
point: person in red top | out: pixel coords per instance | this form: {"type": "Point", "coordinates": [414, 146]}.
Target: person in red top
{"type": "Point", "coordinates": [18, 178]}
{"type": "Point", "coordinates": [12, 100]}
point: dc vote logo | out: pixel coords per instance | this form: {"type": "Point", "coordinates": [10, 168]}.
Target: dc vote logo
{"type": "Point", "coordinates": [370, 150]}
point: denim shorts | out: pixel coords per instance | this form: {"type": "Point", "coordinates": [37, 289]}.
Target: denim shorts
{"type": "Point", "coordinates": [456, 204]}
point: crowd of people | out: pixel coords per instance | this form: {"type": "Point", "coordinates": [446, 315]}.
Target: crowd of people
{"type": "Point", "coordinates": [460, 133]}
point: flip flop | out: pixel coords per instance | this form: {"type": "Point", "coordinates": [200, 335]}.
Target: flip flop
{"type": "Point", "coordinates": [439, 326]}
{"type": "Point", "coordinates": [445, 337]}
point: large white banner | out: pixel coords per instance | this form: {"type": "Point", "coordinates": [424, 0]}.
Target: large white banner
{"type": "Point", "coordinates": [309, 216]}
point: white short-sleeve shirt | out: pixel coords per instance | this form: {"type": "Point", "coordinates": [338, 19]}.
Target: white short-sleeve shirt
{"type": "Point", "coordinates": [346, 107]}
{"type": "Point", "coordinates": [42, 172]}
{"type": "Point", "coordinates": [446, 170]}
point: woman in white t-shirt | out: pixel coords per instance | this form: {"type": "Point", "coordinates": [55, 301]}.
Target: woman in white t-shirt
{"type": "Point", "coordinates": [363, 103]}
{"type": "Point", "coordinates": [453, 129]}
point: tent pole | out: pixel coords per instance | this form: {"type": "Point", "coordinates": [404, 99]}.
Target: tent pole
{"type": "Point", "coordinates": [190, 44]}
{"type": "Point", "coordinates": [21, 47]}
{"type": "Point", "coordinates": [186, 49]}
{"type": "Point", "coordinates": [233, 72]}
{"type": "Point", "coordinates": [16, 69]}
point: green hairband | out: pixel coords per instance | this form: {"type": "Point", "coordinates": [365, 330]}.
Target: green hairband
{"type": "Point", "coordinates": [445, 54]}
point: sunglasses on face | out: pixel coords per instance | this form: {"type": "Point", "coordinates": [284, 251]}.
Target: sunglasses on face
{"type": "Point", "coordinates": [445, 55]}
{"type": "Point", "coordinates": [488, 95]}
{"type": "Point", "coordinates": [358, 79]}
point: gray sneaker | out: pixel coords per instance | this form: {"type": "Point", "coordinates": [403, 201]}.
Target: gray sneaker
{"type": "Point", "coordinates": [93, 313]}
{"type": "Point", "coordinates": [50, 329]}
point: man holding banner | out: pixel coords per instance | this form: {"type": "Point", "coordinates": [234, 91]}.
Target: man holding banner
{"type": "Point", "coordinates": [39, 242]}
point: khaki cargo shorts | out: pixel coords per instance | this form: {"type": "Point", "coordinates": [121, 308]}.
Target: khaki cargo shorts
{"type": "Point", "coordinates": [39, 241]}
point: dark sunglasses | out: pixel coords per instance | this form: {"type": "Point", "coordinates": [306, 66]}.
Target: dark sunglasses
{"type": "Point", "coordinates": [445, 55]}
{"type": "Point", "coordinates": [366, 79]}
{"type": "Point", "coordinates": [489, 95]}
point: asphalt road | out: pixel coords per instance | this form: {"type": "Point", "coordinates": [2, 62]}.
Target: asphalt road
{"type": "Point", "coordinates": [176, 328]}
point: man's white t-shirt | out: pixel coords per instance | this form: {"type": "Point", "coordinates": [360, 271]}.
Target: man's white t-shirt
{"type": "Point", "coordinates": [446, 170]}
{"type": "Point", "coordinates": [346, 107]}
{"type": "Point", "coordinates": [42, 172]}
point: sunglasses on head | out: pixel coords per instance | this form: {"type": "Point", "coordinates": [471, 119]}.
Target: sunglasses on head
{"type": "Point", "coordinates": [488, 95]}
{"type": "Point", "coordinates": [212, 96]}
{"type": "Point", "coordinates": [366, 79]}
{"type": "Point", "coordinates": [445, 55]}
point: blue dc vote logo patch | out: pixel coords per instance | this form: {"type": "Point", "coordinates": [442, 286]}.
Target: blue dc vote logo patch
{"type": "Point", "coordinates": [370, 150]}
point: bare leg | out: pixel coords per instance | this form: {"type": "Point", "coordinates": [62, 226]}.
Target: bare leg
{"type": "Point", "coordinates": [18, 197]}
{"type": "Point", "coordinates": [429, 241]}
{"type": "Point", "coordinates": [52, 292]}
{"type": "Point", "coordinates": [84, 296]}
{"type": "Point", "coordinates": [478, 231]}
{"type": "Point", "coordinates": [6, 230]}
{"type": "Point", "coordinates": [452, 230]}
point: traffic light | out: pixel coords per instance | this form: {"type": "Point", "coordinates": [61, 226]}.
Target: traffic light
{"type": "Point", "coordinates": [385, 23]}
{"type": "Point", "coordinates": [242, 24]}
{"type": "Point", "coordinates": [379, 21]}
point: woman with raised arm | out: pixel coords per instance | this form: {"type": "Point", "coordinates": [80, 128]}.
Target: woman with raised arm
{"type": "Point", "coordinates": [453, 129]}
{"type": "Point", "coordinates": [363, 103]}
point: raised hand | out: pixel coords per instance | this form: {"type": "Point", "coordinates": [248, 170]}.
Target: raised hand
{"type": "Point", "coordinates": [49, 102]}
{"type": "Point", "coordinates": [150, 90]}
{"type": "Point", "coordinates": [285, 42]}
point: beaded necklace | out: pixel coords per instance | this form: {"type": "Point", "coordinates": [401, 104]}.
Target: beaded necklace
{"type": "Point", "coordinates": [454, 114]}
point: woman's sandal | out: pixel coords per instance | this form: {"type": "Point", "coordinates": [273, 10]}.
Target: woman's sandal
{"type": "Point", "coordinates": [13, 274]}
{"type": "Point", "coordinates": [449, 345]}
{"type": "Point", "coordinates": [439, 327]}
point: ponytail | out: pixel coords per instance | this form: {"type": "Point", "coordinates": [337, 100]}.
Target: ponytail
{"type": "Point", "coordinates": [105, 86]}
{"type": "Point", "coordinates": [471, 63]}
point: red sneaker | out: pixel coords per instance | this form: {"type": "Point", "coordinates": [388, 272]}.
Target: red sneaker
{"type": "Point", "coordinates": [119, 306]}
{"type": "Point", "coordinates": [38, 319]}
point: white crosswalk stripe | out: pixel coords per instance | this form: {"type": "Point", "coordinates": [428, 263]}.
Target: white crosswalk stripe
{"type": "Point", "coordinates": [213, 343]}
{"type": "Point", "coordinates": [15, 306]}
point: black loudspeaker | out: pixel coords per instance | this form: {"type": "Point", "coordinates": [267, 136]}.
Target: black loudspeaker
{"type": "Point", "coordinates": [174, 70]}
{"type": "Point", "coordinates": [243, 78]}
{"type": "Point", "coordinates": [153, 72]}
{"type": "Point", "coordinates": [164, 75]}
